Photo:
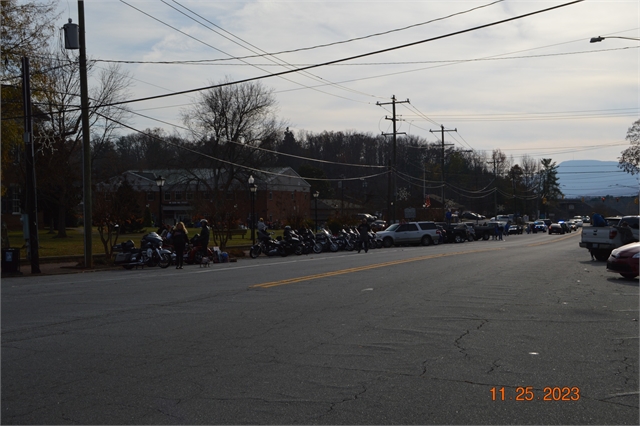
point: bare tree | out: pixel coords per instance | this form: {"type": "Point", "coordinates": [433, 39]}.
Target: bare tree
{"type": "Point", "coordinates": [629, 161]}
{"type": "Point", "coordinates": [59, 136]}
{"type": "Point", "coordinates": [228, 122]}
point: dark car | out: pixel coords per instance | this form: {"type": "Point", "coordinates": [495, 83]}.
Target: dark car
{"type": "Point", "coordinates": [515, 229]}
{"type": "Point", "coordinates": [624, 260]}
{"type": "Point", "coordinates": [565, 226]}
{"type": "Point", "coordinates": [556, 228]}
{"type": "Point", "coordinates": [455, 233]}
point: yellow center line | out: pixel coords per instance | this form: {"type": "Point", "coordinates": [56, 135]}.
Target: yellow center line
{"type": "Point", "coordinates": [553, 241]}
{"type": "Point", "coordinates": [363, 268]}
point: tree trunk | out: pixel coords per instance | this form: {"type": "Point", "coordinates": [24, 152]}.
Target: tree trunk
{"type": "Point", "coordinates": [62, 216]}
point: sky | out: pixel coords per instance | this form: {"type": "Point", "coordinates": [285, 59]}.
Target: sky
{"type": "Point", "coordinates": [533, 85]}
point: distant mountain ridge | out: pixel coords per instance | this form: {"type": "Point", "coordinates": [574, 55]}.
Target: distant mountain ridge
{"type": "Point", "coordinates": [593, 178]}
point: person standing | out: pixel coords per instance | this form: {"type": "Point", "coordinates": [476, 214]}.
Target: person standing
{"type": "Point", "coordinates": [363, 240]}
{"type": "Point", "coordinates": [180, 238]}
{"type": "Point", "coordinates": [204, 237]}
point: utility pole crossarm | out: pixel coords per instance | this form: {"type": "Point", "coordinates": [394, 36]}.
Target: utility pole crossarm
{"type": "Point", "coordinates": [442, 130]}
{"type": "Point", "coordinates": [392, 166]}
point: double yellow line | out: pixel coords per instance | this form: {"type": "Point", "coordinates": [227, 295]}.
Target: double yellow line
{"type": "Point", "coordinates": [363, 268]}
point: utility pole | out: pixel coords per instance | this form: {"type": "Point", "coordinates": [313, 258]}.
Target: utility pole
{"type": "Point", "coordinates": [442, 130]}
{"type": "Point", "coordinates": [495, 189]}
{"type": "Point", "coordinates": [86, 141]}
{"type": "Point", "coordinates": [31, 202]}
{"type": "Point", "coordinates": [391, 205]}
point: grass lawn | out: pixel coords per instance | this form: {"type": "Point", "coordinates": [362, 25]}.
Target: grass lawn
{"type": "Point", "coordinates": [73, 245]}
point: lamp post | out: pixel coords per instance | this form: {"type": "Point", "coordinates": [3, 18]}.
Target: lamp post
{"type": "Point", "coordinates": [315, 197]}
{"type": "Point", "coordinates": [160, 182]}
{"type": "Point", "coordinates": [253, 188]}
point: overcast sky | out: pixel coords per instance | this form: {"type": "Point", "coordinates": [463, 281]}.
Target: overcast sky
{"type": "Point", "coordinates": [532, 86]}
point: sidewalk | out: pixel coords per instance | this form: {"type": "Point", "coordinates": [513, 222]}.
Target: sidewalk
{"type": "Point", "coordinates": [55, 268]}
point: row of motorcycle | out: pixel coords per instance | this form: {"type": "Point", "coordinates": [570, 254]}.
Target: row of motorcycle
{"type": "Point", "coordinates": [156, 251]}
{"type": "Point", "coordinates": [305, 241]}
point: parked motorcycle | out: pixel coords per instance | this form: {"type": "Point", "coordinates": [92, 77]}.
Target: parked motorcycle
{"type": "Point", "coordinates": [344, 241]}
{"type": "Point", "coordinates": [150, 253]}
{"type": "Point", "coordinates": [196, 251]}
{"type": "Point", "coordinates": [325, 242]}
{"type": "Point", "coordinates": [266, 244]}
{"type": "Point", "coordinates": [290, 244]}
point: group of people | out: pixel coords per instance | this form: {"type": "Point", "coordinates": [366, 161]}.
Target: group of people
{"type": "Point", "coordinates": [178, 235]}
{"type": "Point", "coordinates": [500, 232]}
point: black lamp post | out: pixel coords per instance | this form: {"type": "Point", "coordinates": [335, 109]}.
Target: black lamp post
{"type": "Point", "coordinates": [253, 188]}
{"type": "Point", "coordinates": [315, 197]}
{"type": "Point", "coordinates": [160, 182]}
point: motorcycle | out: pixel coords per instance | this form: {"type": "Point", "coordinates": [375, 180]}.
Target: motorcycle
{"type": "Point", "coordinates": [325, 242]}
{"type": "Point", "coordinates": [196, 251]}
{"type": "Point", "coordinates": [150, 253]}
{"type": "Point", "coordinates": [266, 244]}
{"type": "Point", "coordinates": [344, 241]}
{"type": "Point", "coordinates": [308, 240]}
{"type": "Point", "coordinates": [291, 244]}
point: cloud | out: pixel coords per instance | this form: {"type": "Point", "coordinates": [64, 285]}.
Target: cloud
{"type": "Point", "coordinates": [555, 81]}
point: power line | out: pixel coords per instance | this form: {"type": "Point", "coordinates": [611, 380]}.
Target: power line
{"type": "Point", "coordinates": [353, 57]}
{"type": "Point", "coordinates": [310, 47]}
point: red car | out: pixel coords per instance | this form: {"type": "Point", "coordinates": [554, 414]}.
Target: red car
{"type": "Point", "coordinates": [624, 260]}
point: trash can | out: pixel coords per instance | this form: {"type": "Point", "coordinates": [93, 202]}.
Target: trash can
{"type": "Point", "coordinates": [10, 260]}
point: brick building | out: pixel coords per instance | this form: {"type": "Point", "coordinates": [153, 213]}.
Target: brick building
{"type": "Point", "coordinates": [281, 196]}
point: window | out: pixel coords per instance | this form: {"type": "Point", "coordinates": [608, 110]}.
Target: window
{"type": "Point", "coordinates": [189, 195]}
{"type": "Point", "coordinates": [15, 201]}
{"type": "Point", "coordinates": [406, 227]}
{"type": "Point", "coordinates": [178, 196]}
{"type": "Point", "coordinates": [271, 195]}
{"type": "Point", "coordinates": [427, 225]}
{"type": "Point", "coordinates": [167, 196]}
{"type": "Point", "coordinates": [151, 196]}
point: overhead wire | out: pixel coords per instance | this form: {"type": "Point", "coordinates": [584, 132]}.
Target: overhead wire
{"type": "Point", "coordinates": [320, 45]}
{"type": "Point", "coordinates": [415, 43]}
{"type": "Point", "coordinates": [225, 53]}
{"type": "Point", "coordinates": [267, 55]}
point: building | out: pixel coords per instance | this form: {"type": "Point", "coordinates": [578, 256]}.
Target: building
{"type": "Point", "coordinates": [281, 196]}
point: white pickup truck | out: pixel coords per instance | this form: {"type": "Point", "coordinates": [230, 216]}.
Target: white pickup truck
{"type": "Point", "coordinates": [601, 240]}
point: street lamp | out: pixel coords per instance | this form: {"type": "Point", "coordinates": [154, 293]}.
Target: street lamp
{"type": "Point", "coordinates": [315, 197]}
{"type": "Point", "coordinates": [160, 182]}
{"type": "Point", "coordinates": [600, 38]}
{"type": "Point", "coordinates": [253, 188]}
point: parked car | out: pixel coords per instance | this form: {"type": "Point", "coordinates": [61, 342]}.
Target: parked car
{"type": "Point", "coordinates": [425, 233]}
{"type": "Point", "coordinates": [455, 233]}
{"type": "Point", "coordinates": [515, 229]}
{"type": "Point", "coordinates": [624, 260]}
{"type": "Point", "coordinates": [556, 228]}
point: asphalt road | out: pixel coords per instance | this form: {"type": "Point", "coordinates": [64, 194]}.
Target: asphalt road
{"type": "Point", "coordinates": [448, 334]}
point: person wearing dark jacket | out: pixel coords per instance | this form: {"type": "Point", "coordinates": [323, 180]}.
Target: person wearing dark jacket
{"type": "Point", "coordinates": [180, 238]}
{"type": "Point", "coordinates": [363, 240]}
{"type": "Point", "coordinates": [204, 236]}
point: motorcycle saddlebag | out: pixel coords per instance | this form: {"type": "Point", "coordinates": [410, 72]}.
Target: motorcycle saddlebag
{"type": "Point", "coordinates": [123, 258]}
